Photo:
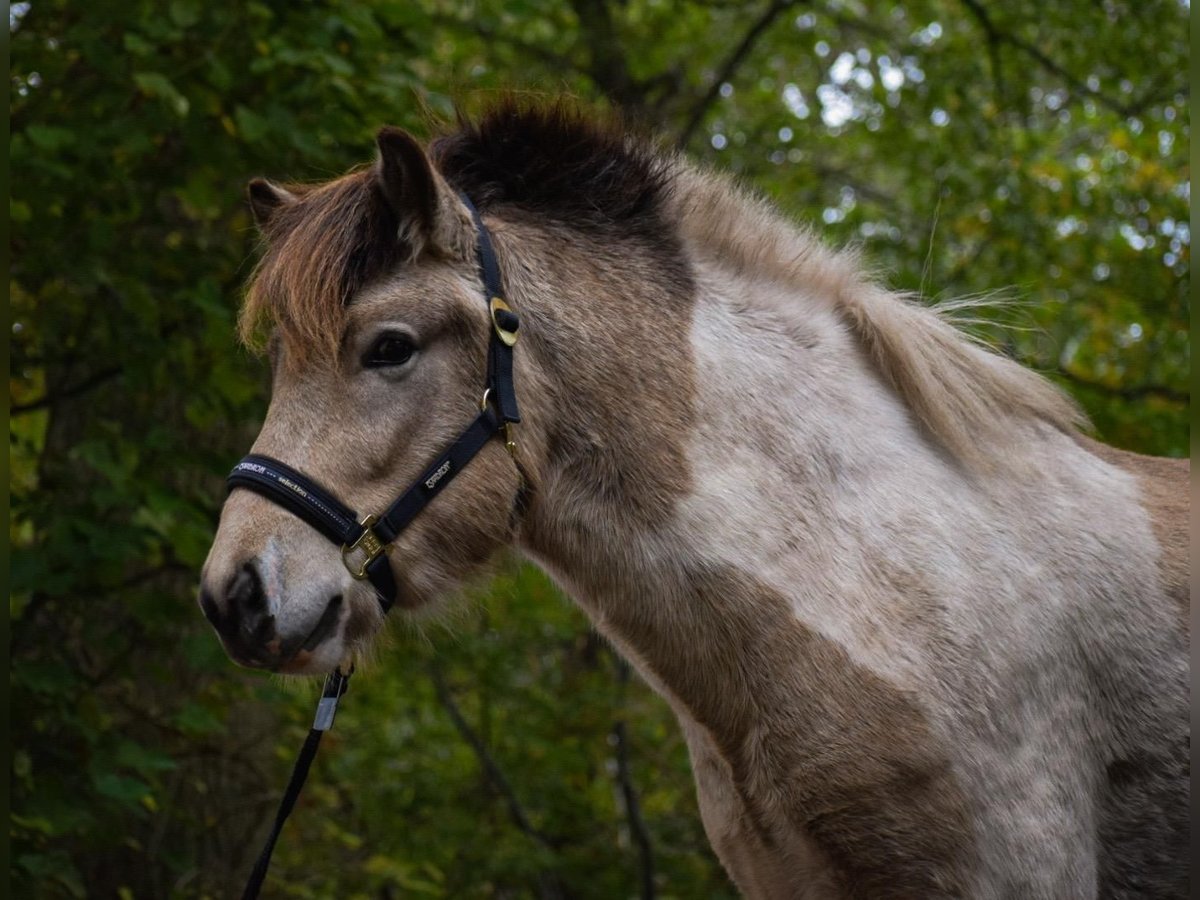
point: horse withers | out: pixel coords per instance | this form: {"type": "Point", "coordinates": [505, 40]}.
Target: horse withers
{"type": "Point", "coordinates": [924, 639]}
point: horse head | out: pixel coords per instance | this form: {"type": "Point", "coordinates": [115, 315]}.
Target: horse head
{"type": "Point", "coordinates": [378, 346]}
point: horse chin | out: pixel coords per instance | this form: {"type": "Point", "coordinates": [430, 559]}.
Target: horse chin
{"type": "Point", "coordinates": [319, 661]}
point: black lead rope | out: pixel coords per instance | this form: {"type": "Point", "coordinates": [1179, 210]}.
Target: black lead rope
{"type": "Point", "coordinates": [327, 708]}
{"type": "Point", "coordinates": [364, 541]}
{"type": "Point", "coordinates": [335, 686]}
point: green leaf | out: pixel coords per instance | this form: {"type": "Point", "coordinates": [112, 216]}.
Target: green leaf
{"type": "Point", "coordinates": [195, 718]}
{"type": "Point", "coordinates": [251, 125]}
{"type": "Point", "coordinates": [46, 677]}
{"type": "Point", "coordinates": [125, 789]}
{"type": "Point", "coordinates": [185, 13]}
{"type": "Point", "coordinates": [141, 758]}
{"type": "Point", "coordinates": [53, 868]}
{"type": "Point", "coordinates": [137, 45]}
{"type": "Point", "coordinates": [49, 137]}
{"type": "Point", "coordinates": [155, 84]}
{"type": "Point", "coordinates": [22, 765]}
{"type": "Point", "coordinates": [33, 823]}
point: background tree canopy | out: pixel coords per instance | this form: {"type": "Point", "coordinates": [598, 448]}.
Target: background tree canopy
{"type": "Point", "coordinates": [965, 145]}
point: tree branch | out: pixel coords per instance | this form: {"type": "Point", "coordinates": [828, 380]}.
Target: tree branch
{"type": "Point", "coordinates": [725, 72]}
{"type": "Point", "coordinates": [490, 768]}
{"type": "Point", "coordinates": [609, 65]}
{"type": "Point", "coordinates": [633, 810]}
{"type": "Point", "coordinates": [862, 26]}
{"type": "Point", "coordinates": [82, 387]}
{"type": "Point", "coordinates": [551, 887]}
{"type": "Point", "coordinates": [994, 41]}
{"type": "Point", "coordinates": [41, 600]}
{"type": "Point", "coordinates": [997, 36]}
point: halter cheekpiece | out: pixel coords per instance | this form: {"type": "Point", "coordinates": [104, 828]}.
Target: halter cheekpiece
{"type": "Point", "coordinates": [364, 541]}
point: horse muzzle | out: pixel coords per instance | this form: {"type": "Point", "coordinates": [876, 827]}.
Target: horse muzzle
{"type": "Point", "coordinates": [254, 636]}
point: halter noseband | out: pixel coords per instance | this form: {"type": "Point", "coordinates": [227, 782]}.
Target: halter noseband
{"type": "Point", "coordinates": [364, 541]}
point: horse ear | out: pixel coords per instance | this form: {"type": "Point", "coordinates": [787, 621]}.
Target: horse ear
{"type": "Point", "coordinates": [265, 200]}
{"type": "Point", "coordinates": [429, 212]}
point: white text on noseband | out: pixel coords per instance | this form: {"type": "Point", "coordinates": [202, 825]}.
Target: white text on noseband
{"type": "Point", "coordinates": [432, 480]}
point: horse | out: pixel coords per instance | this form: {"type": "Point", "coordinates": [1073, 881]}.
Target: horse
{"type": "Point", "coordinates": [923, 636]}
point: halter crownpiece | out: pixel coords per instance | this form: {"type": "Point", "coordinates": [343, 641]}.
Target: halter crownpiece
{"type": "Point", "coordinates": [364, 541]}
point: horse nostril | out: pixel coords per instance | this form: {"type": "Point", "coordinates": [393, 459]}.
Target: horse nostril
{"type": "Point", "coordinates": [246, 623]}
{"type": "Point", "coordinates": [246, 591]}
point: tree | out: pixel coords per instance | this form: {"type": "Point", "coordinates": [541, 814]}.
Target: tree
{"type": "Point", "coordinates": [966, 146]}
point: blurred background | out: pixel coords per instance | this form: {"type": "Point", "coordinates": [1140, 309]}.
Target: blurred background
{"type": "Point", "coordinates": [964, 145]}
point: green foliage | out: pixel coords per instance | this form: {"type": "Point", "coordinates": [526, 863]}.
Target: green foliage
{"type": "Point", "coordinates": [965, 148]}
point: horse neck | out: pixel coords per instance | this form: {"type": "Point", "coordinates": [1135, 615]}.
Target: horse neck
{"type": "Point", "coordinates": [682, 438]}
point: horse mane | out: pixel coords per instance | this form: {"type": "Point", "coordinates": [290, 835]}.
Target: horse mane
{"type": "Point", "coordinates": [554, 162]}
{"type": "Point", "coordinates": [961, 390]}
{"type": "Point", "coordinates": [558, 163]}
{"type": "Point", "coordinates": [321, 249]}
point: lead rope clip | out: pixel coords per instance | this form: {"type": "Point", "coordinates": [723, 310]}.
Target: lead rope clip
{"type": "Point", "coordinates": [336, 683]}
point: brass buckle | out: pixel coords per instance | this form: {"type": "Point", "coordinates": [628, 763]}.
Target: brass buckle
{"type": "Point", "coordinates": [368, 542]}
{"type": "Point", "coordinates": [507, 337]}
{"type": "Point", "coordinates": [510, 439]}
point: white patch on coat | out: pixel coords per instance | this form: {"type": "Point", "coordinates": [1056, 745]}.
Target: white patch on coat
{"type": "Point", "coordinates": [810, 474]}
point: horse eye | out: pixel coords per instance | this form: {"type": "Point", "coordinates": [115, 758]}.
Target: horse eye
{"type": "Point", "coordinates": [389, 349]}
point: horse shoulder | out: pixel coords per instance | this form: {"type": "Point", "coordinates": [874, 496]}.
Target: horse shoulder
{"type": "Point", "coordinates": [1165, 490]}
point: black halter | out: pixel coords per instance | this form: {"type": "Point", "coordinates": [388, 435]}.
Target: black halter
{"type": "Point", "coordinates": [364, 541]}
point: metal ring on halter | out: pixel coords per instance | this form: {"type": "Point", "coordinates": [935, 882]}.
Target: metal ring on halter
{"type": "Point", "coordinates": [369, 544]}
{"type": "Point", "coordinates": [510, 438]}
